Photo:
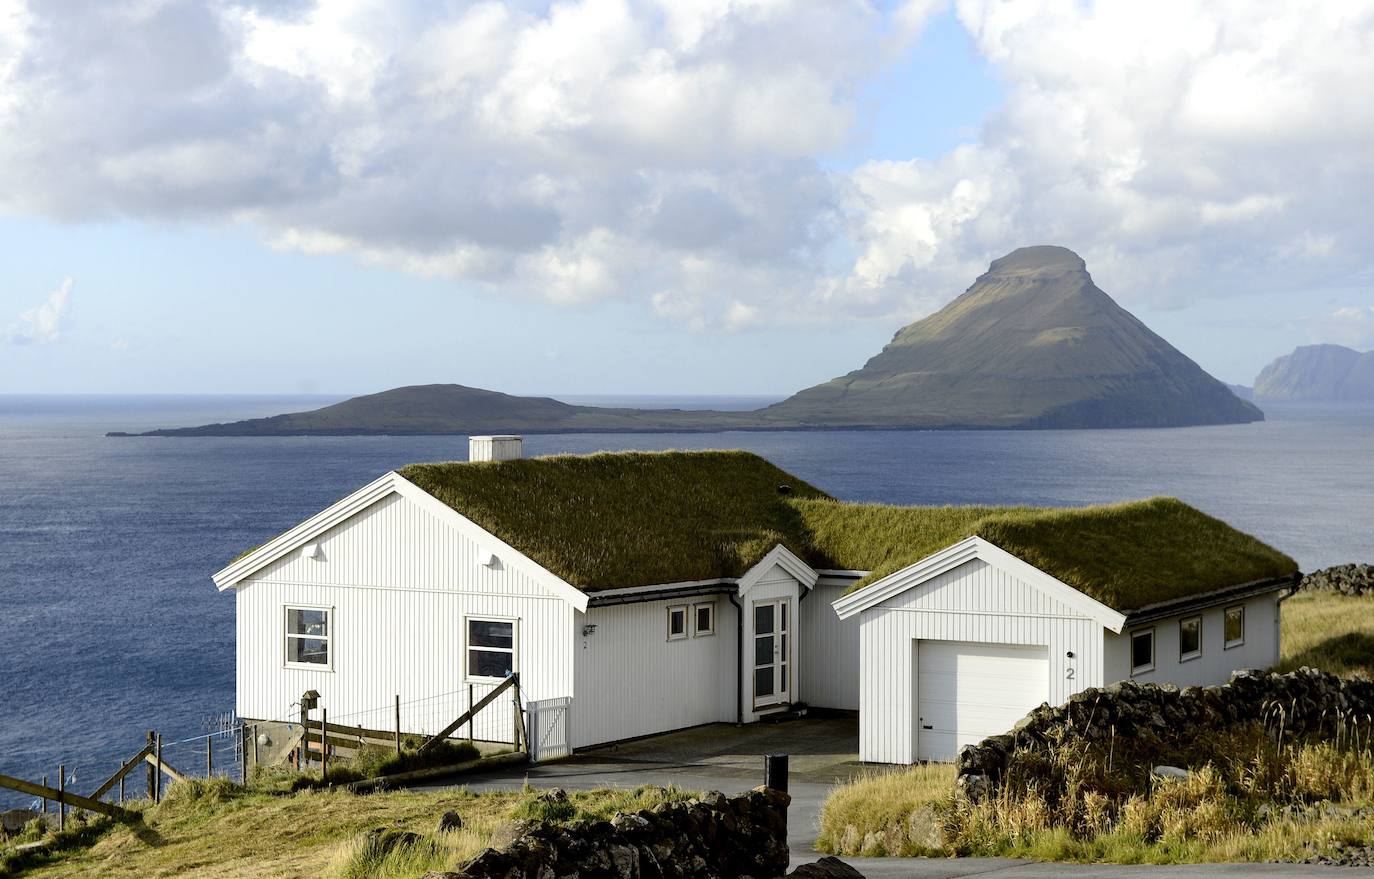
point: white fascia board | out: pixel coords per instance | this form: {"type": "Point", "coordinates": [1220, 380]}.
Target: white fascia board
{"type": "Point", "coordinates": [967, 550]}
{"type": "Point", "coordinates": [379, 489]}
{"type": "Point", "coordinates": [235, 572]}
{"type": "Point", "coordinates": [779, 556]}
{"type": "Point", "coordinates": [548, 579]}
{"type": "Point", "coordinates": [664, 587]}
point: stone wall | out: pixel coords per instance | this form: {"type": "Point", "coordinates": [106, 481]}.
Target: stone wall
{"type": "Point", "coordinates": [1161, 719]}
{"type": "Point", "coordinates": [744, 836]}
{"type": "Point", "coordinates": [1345, 579]}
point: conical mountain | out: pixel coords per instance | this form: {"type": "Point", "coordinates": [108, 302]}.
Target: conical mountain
{"type": "Point", "coordinates": [1033, 344]}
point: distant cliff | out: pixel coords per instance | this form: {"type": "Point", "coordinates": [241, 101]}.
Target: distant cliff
{"type": "Point", "coordinates": [1032, 344]}
{"type": "Point", "coordinates": [1319, 374]}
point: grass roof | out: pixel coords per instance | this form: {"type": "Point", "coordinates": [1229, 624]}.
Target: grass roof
{"type": "Point", "coordinates": [612, 520]}
{"type": "Point", "coordinates": [619, 519]}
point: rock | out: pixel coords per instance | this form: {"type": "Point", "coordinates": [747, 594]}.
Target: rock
{"type": "Point", "coordinates": [13, 821]}
{"type": "Point", "coordinates": [827, 868]}
{"type": "Point", "coordinates": [387, 839]}
{"type": "Point", "coordinates": [511, 831]}
{"type": "Point", "coordinates": [444, 874]}
{"type": "Point", "coordinates": [1169, 772]}
{"type": "Point", "coordinates": [554, 795]}
{"type": "Point", "coordinates": [974, 787]}
{"type": "Point", "coordinates": [449, 822]}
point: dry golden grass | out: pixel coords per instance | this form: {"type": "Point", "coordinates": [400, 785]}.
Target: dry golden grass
{"type": "Point", "coordinates": [218, 829]}
{"type": "Point", "coordinates": [1329, 631]}
{"type": "Point", "coordinates": [892, 813]}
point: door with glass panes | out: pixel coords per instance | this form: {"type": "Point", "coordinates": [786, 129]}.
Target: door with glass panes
{"type": "Point", "coordinates": [772, 652]}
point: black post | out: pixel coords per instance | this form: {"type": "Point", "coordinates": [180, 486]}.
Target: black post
{"type": "Point", "coordinates": [775, 771]}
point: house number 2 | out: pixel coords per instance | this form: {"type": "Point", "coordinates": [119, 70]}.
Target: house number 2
{"type": "Point", "coordinates": [1068, 673]}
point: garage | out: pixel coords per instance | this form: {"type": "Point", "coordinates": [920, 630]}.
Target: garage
{"type": "Point", "coordinates": [968, 691]}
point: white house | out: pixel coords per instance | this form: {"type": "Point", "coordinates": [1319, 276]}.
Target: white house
{"type": "Point", "coordinates": [658, 591]}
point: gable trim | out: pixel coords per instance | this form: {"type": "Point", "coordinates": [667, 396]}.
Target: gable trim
{"type": "Point", "coordinates": [779, 557]}
{"type": "Point", "coordinates": [379, 489]}
{"type": "Point", "coordinates": [966, 551]}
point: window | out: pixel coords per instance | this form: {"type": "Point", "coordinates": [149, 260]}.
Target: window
{"type": "Point", "coordinates": [705, 619]}
{"type": "Point", "coordinates": [1142, 651]}
{"type": "Point", "coordinates": [491, 648]}
{"type": "Point", "coordinates": [677, 623]}
{"type": "Point", "coordinates": [1233, 627]}
{"type": "Point", "coordinates": [1189, 638]}
{"type": "Point", "coordinates": [307, 636]}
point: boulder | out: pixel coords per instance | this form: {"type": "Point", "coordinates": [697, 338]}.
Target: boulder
{"type": "Point", "coordinates": [449, 822]}
{"type": "Point", "coordinates": [13, 821]}
{"type": "Point", "coordinates": [827, 868]}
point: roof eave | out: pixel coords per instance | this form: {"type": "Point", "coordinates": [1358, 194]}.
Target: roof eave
{"type": "Point", "coordinates": [1161, 609]}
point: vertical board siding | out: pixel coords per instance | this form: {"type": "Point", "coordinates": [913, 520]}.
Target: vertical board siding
{"type": "Point", "coordinates": [828, 664]}
{"type": "Point", "coordinates": [1216, 664]}
{"type": "Point", "coordinates": [630, 680]}
{"type": "Point", "coordinates": [776, 583]}
{"type": "Point", "coordinates": [974, 602]}
{"type": "Point", "coordinates": [400, 583]}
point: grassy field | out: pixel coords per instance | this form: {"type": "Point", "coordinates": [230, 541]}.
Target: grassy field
{"type": "Point", "coordinates": [1329, 631]}
{"type": "Point", "coordinates": [1255, 802]}
{"type": "Point", "coordinates": [218, 829]}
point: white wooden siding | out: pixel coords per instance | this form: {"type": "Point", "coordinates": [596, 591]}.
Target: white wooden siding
{"type": "Point", "coordinates": [1215, 665]}
{"type": "Point", "coordinates": [400, 582]}
{"type": "Point", "coordinates": [828, 664]}
{"type": "Point", "coordinates": [776, 583]}
{"type": "Point", "coordinates": [630, 680]}
{"type": "Point", "coordinates": [975, 602]}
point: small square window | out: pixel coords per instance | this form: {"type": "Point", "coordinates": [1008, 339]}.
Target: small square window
{"type": "Point", "coordinates": [307, 636]}
{"type": "Point", "coordinates": [1142, 651]}
{"type": "Point", "coordinates": [1189, 638]}
{"type": "Point", "coordinates": [1234, 626]}
{"type": "Point", "coordinates": [677, 623]}
{"type": "Point", "coordinates": [491, 649]}
{"type": "Point", "coordinates": [704, 619]}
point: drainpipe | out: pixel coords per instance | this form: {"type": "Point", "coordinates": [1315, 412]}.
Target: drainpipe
{"type": "Point", "coordinates": [739, 660]}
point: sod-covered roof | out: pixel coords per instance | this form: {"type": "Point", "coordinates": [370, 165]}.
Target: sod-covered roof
{"type": "Point", "coordinates": [621, 519]}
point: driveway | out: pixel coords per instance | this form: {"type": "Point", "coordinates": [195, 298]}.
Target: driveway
{"type": "Point", "coordinates": [822, 752]}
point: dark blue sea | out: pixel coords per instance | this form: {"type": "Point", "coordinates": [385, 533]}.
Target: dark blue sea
{"type": "Point", "coordinates": [110, 626]}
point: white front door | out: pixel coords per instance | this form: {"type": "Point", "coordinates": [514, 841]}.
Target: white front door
{"type": "Point", "coordinates": [966, 692]}
{"type": "Point", "coordinates": [772, 652]}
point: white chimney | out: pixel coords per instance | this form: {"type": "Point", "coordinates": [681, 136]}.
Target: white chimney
{"type": "Point", "coordinates": [494, 448]}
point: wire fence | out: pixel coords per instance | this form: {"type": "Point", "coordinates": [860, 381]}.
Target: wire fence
{"type": "Point", "coordinates": [230, 746]}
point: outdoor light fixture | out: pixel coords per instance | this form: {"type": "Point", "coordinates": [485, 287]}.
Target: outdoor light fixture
{"type": "Point", "coordinates": [588, 630]}
{"type": "Point", "coordinates": [313, 551]}
{"type": "Point", "coordinates": [489, 559]}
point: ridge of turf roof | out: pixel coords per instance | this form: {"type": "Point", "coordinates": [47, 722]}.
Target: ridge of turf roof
{"type": "Point", "coordinates": [620, 519]}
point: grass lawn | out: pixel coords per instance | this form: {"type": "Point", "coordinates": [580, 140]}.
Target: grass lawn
{"type": "Point", "coordinates": [1256, 805]}
{"type": "Point", "coordinates": [1329, 631]}
{"type": "Point", "coordinates": [219, 829]}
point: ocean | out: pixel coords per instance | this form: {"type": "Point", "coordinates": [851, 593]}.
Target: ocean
{"type": "Point", "coordinates": [110, 626]}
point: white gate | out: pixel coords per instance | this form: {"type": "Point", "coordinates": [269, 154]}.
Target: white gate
{"type": "Point", "coordinates": [549, 728]}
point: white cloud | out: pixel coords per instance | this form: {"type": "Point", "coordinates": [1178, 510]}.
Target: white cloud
{"type": "Point", "coordinates": [1352, 326]}
{"type": "Point", "coordinates": [43, 322]}
{"type": "Point", "coordinates": [670, 152]}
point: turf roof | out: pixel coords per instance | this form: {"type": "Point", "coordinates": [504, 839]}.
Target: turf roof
{"type": "Point", "coordinates": [612, 520]}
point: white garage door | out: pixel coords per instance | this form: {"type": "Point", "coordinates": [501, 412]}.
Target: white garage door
{"type": "Point", "coordinates": [967, 692]}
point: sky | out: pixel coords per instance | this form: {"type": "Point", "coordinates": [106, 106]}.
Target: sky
{"type": "Point", "coordinates": [671, 197]}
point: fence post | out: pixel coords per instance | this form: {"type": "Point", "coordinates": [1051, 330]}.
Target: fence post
{"type": "Point", "coordinates": [61, 797]}
{"type": "Point", "coordinates": [775, 771]}
{"type": "Point", "coordinates": [324, 745]}
{"type": "Point", "coordinates": [158, 774]}
{"type": "Point", "coordinates": [243, 753]}
{"type": "Point", "coordinates": [122, 764]}
{"type": "Point", "coordinates": [209, 757]}
{"type": "Point", "coordinates": [470, 719]}
{"type": "Point", "coordinates": [152, 770]}
{"type": "Point", "coordinates": [45, 799]}
{"type": "Point", "coordinates": [398, 724]}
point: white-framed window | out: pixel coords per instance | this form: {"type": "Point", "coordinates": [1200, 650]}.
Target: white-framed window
{"type": "Point", "coordinates": [1189, 638]}
{"type": "Point", "coordinates": [309, 636]}
{"type": "Point", "coordinates": [677, 622]}
{"type": "Point", "coordinates": [1233, 626]}
{"type": "Point", "coordinates": [490, 648]}
{"type": "Point", "coordinates": [1142, 651]}
{"type": "Point", "coordinates": [704, 619]}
